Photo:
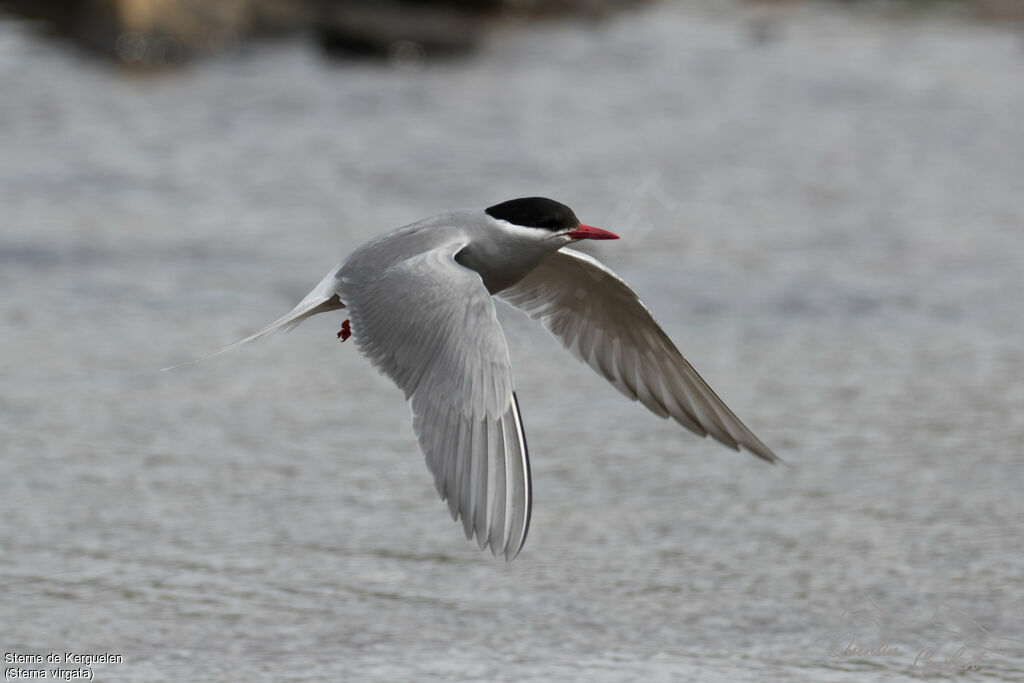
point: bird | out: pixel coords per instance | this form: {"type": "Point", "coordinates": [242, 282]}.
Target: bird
{"type": "Point", "coordinates": [419, 305]}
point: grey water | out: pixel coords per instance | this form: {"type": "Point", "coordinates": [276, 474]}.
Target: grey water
{"type": "Point", "coordinates": [824, 209]}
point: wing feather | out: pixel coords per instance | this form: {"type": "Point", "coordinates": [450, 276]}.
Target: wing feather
{"type": "Point", "coordinates": [602, 321]}
{"type": "Point", "coordinates": [429, 324]}
{"type": "Point", "coordinates": [496, 484]}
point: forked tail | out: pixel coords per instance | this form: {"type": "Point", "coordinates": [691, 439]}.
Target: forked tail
{"type": "Point", "coordinates": [317, 301]}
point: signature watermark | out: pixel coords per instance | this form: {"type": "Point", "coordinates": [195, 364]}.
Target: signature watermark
{"type": "Point", "coordinates": [948, 642]}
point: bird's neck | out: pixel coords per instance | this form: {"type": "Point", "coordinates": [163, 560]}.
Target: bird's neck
{"type": "Point", "coordinates": [502, 265]}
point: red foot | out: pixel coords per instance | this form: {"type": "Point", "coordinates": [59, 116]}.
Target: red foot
{"type": "Point", "coordinates": [345, 331]}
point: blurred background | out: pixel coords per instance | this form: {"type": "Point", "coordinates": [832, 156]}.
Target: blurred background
{"type": "Point", "coordinates": [820, 201]}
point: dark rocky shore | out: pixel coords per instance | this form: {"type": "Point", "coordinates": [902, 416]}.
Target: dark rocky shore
{"type": "Point", "coordinates": [155, 33]}
{"type": "Point", "coordinates": [161, 33]}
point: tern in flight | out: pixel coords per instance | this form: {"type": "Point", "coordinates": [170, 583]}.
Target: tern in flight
{"type": "Point", "coordinates": [418, 301]}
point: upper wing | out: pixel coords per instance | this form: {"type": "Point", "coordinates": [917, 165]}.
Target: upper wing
{"type": "Point", "coordinates": [598, 317]}
{"type": "Point", "coordinates": [429, 324]}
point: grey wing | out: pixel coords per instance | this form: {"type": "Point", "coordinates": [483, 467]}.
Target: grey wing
{"type": "Point", "coordinates": [602, 321]}
{"type": "Point", "coordinates": [429, 324]}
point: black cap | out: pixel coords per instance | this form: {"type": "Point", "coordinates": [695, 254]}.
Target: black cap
{"type": "Point", "coordinates": [535, 212]}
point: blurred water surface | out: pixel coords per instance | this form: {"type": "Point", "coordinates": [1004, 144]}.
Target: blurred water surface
{"type": "Point", "coordinates": [823, 209]}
